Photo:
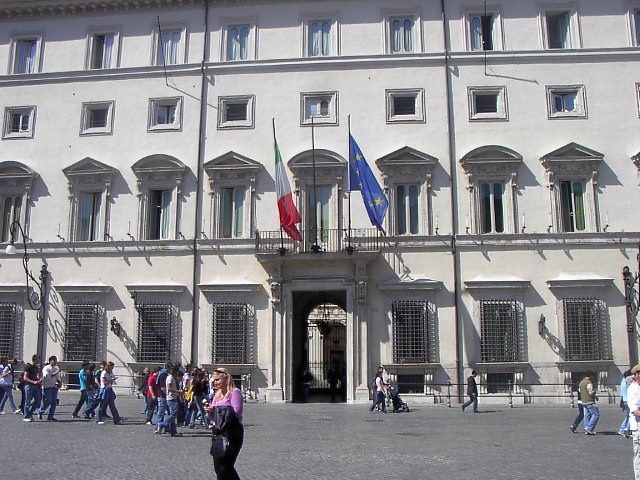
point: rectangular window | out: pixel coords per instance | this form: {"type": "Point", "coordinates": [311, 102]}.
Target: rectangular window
{"type": "Point", "coordinates": [238, 42]}
{"type": "Point", "coordinates": [165, 114]}
{"type": "Point", "coordinates": [572, 206]}
{"type": "Point", "coordinates": [233, 200]}
{"type": "Point", "coordinates": [488, 103]}
{"type": "Point", "coordinates": [322, 107]}
{"type": "Point", "coordinates": [154, 332]}
{"type": "Point", "coordinates": [11, 210]}
{"type": "Point", "coordinates": [401, 34]}
{"type": "Point", "coordinates": [319, 41]}
{"type": "Point", "coordinates": [97, 118]}
{"type": "Point", "coordinates": [102, 51]}
{"type": "Point", "coordinates": [558, 29]}
{"type": "Point", "coordinates": [89, 217]}
{"type": "Point", "coordinates": [481, 27]}
{"type": "Point", "coordinates": [230, 333]}
{"type": "Point", "coordinates": [169, 47]}
{"type": "Point", "coordinates": [500, 382]}
{"type": "Point", "coordinates": [319, 213]}
{"type": "Point", "coordinates": [584, 329]}
{"type": "Point", "coordinates": [19, 122]}
{"type": "Point", "coordinates": [159, 214]}
{"type": "Point", "coordinates": [636, 23]}
{"type": "Point", "coordinates": [566, 101]}
{"type": "Point", "coordinates": [236, 112]}
{"type": "Point", "coordinates": [405, 106]}
{"type": "Point", "coordinates": [81, 332]}
{"type": "Point", "coordinates": [491, 202]}
{"type": "Point", "coordinates": [26, 55]}
{"type": "Point", "coordinates": [407, 209]}
{"type": "Point", "coordinates": [8, 329]}
{"type": "Point", "coordinates": [411, 335]}
{"type": "Point", "coordinates": [499, 331]}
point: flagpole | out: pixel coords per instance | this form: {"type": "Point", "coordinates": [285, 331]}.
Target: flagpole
{"type": "Point", "coordinates": [349, 247]}
{"type": "Point", "coordinates": [273, 124]}
{"type": "Point", "coordinates": [315, 248]}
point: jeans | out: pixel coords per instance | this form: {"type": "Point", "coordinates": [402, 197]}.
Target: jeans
{"type": "Point", "coordinates": [109, 400]}
{"type": "Point", "coordinates": [472, 399]}
{"type": "Point", "coordinates": [161, 411]}
{"type": "Point", "coordinates": [92, 403]}
{"type": "Point", "coordinates": [591, 416]}
{"type": "Point", "coordinates": [624, 426]}
{"type": "Point", "coordinates": [199, 408]}
{"type": "Point", "coordinates": [32, 400]}
{"type": "Point", "coordinates": [50, 402]}
{"type": "Point", "coordinates": [81, 402]}
{"type": "Point", "coordinates": [379, 399]}
{"type": "Point", "coordinates": [579, 417]}
{"type": "Point", "coordinates": [169, 421]}
{"type": "Point", "coordinates": [152, 404]}
{"type": "Point", "coordinates": [8, 395]}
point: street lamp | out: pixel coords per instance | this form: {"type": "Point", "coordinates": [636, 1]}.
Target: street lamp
{"type": "Point", "coordinates": [37, 299]}
{"type": "Point", "coordinates": [632, 301]}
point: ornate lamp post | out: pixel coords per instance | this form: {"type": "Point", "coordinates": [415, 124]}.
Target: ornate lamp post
{"type": "Point", "coordinates": [37, 299]}
{"type": "Point", "coordinates": [632, 301]}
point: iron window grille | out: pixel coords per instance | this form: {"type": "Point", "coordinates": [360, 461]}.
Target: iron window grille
{"type": "Point", "coordinates": [155, 322]}
{"type": "Point", "coordinates": [501, 331]}
{"type": "Point", "coordinates": [413, 334]}
{"type": "Point", "coordinates": [584, 329]}
{"type": "Point", "coordinates": [230, 333]}
{"type": "Point", "coordinates": [81, 332]}
{"type": "Point", "coordinates": [8, 329]}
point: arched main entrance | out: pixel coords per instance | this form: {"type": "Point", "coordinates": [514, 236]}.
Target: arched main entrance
{"type": "Point", "coordinates": [319, 342]}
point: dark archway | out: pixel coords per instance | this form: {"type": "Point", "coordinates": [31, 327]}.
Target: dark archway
{"type": "Point", "coordinates": [319, 344]}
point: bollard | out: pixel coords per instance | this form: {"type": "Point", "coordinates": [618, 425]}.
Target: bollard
{"type": "Point", "coordinates": [449, 393]}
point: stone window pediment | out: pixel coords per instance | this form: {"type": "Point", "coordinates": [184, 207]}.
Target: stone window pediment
{"type": "Point", "coordinates": [329, 165]}
{"type": "Point", "coordinates": [89, 172]}
{"type": "Point", "coordinates": [159, 170]}
{"type": "Point", "coordinates": [572, 160]}
{"type": "Point", "coordinates": [491, 160]}
{"type": "Point", "coordinates": [232, 167]}
{"type": "Point", "coordinates": [16, 175]}
{"type": "Point", "coordinates": [407, 163]}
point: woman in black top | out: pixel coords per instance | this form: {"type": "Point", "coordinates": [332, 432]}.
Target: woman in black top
{"type": "Point", "coordinates": [198, 396]}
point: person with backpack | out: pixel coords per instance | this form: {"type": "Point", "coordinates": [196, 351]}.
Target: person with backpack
{"type": "Point", "coordinates": [173, 395]}
{"type": "Point", "coordinates": [380, 393]}
{"type": "Point", "coordinates": [6, 384]}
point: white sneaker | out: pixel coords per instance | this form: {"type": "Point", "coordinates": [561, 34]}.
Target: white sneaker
{"type": "Point", "coordinates": [2, 413]}
{"type": "Point", "coordinates": [27, 419]}
{"type": "Point", "coordinates": [17, 411]}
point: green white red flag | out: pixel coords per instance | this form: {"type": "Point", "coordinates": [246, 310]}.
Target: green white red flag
{"type": "Point", "coordinates": [289, 215]}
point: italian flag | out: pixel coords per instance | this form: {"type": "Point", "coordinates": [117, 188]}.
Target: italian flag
{"type": "Point", "coordinates": [289, 215]}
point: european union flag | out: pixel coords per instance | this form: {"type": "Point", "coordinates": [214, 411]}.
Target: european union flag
{"type": "Point", "coordinates": [361, 178]}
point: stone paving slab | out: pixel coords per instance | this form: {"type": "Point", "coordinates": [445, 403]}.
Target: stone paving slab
{"type": "Point", "coordinates": [319, 441]}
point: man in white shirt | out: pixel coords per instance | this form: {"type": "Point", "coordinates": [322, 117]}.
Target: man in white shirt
{"type": "Point", "coordinates": [50, 384]}
{"type": "Point", "coordinates": [633, 401]}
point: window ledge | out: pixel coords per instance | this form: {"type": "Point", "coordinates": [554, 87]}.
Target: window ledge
{"type": "Point", "coordinates": [402, 368]}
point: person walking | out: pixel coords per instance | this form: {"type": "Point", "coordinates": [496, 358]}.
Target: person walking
{"type": "Point", "coordinates": [472, 392]}
{"type": "Point", "coordinates": [6, 384]}
{"type": "Point", "coordinates": [198, 396]}
{"type": "Point", "coordinates": [227, 397]}
{"type": "Point", "coordinates": [591, 410]}
{"type": "Point", "coordinates": [108, 396]}
{"type": "Point", "coordinates": [633, 401]}
{"type": "Point", "coordinates": [82, 381]}
{"type": "Point", "coordinates": [173, 396]}
{"type": "Point", "coordinates": [161, 383]}
{"type": "Point", "coordinates": [152, 396]}
{"type": "Point", "coordinates": [379, 397]}
{"type": "Point", "coordinates": [624, 385]}
{"type": "Point", "coordinates": [32, 378]}
{"type": "Point", "coordinates": [50, 384]}
{"type": "Point", "coordinates": [576, 422]}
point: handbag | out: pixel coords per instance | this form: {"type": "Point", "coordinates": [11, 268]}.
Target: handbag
{"type": "Point", "coordinates": [220, 447]}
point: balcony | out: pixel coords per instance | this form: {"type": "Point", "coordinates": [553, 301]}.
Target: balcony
{"type": "Point", "coordinates": [327, 240]}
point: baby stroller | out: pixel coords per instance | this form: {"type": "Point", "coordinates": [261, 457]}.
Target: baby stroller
{"type": "Point", "coordinates": [394, 399]}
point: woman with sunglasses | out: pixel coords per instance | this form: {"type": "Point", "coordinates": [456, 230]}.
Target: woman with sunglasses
{"type": "Point", "coordinates": [227, 395]}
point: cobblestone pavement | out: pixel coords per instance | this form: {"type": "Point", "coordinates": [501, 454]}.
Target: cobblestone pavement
{"type": "Point", "coordinates": [320, 441]}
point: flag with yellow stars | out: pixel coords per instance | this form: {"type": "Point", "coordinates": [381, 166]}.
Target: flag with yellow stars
{"type": "Point", "coordinates": [362, 178]}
